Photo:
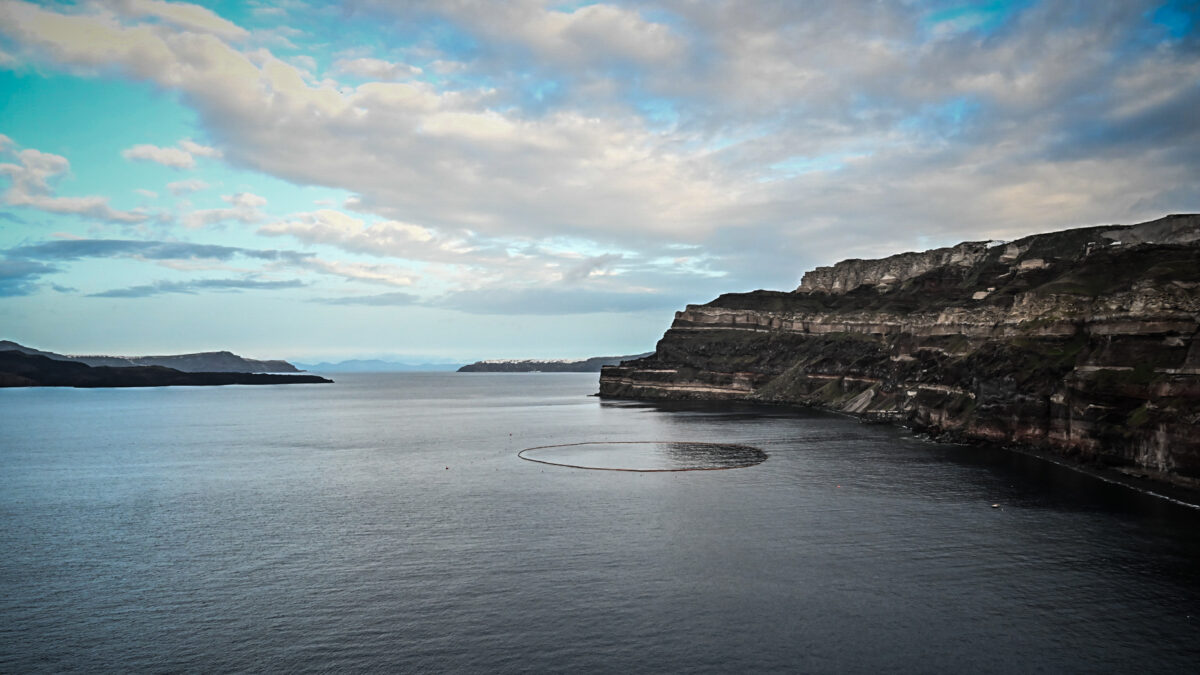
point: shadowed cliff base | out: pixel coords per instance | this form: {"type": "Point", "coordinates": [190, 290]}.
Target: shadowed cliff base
{"type": "Point", "coordinates": [1080, 343]}
{"type": "Point", "coordinates": [18, 369]}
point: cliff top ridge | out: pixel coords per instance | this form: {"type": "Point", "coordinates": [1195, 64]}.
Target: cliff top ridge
{"type": "Point", "coordinates": [1030, 252]}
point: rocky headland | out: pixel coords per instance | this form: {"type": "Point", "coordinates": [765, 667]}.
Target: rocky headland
{"type": "Point", "coordinates": [20, 369]}
{"type": "Point", "coordinates": [1081, 343]}
{"type": "Point", "coordinates": [592, 365]}
{"type": "Point", "coordinates": [201, 362]}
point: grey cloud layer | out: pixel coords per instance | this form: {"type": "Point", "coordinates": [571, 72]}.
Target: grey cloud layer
{"type": "Point", "coordinates": [76, 249]}
{"type": "Point", "coordinates": [525, 301]}
{"type": "Point", "coordinates": [19, 277]}
{"type": "Point", "coordinates": [28, 261]}
{"type": "Point", "coordinates": [777, 135]}
{"type": "Point", "coordinates": [195, 286]}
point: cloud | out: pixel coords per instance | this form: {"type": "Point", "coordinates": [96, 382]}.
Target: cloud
{"type": "Point", "coordinates": [183, 15]}
{"type": "Point", "coordinates": [31, 184]}
{"type": "Point", "coordinates": [554, 301]}
{"type": "Point", "coordinates": [388, 275]}
{"type": "Point", "coordinates": [190, 256]}
{"type": "Point", "coordinates": [193, 148]}
{"type": "Point", "coordinates": [521, 301]}
{"type": "Point", "coordinates": [741, 128]}
{"type": "Point", "coordinates": [244, 207]}
{"type": "Point", "coordinates": [393, 299]}
{"type": "Point", "coordinates": [182, 157]}
{"type": "Point", "coordinates": [414, 154]}
{"type": "Point", "coordinates": [195, 286]}
{"type": "Point", "coordinates": [375, 69]}
{"type": "Point", "coordinates": [600, 32]}
{"type": "Point", "coordinates": [326, 226]}
{"type": "Point", "coordinates": [182, 187]}
{"type": "Point", "coordinates": [591, 266]}
{"type": "Point", "coordinates": [474, 258]}
{"type": "Point", "coordinates": [17, 277]}
{"type": "Point", "coordinates": [78, 249]}
{"type": "Point", "coordinates": [172, 157]}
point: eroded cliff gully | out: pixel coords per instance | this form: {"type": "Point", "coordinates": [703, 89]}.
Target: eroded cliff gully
{"type": "Point", "coordinates": [1081, 342]}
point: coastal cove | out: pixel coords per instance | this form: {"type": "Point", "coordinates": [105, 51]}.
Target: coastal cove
{"type": "Point", "coordinates": [348, 527]}
{"type": "Point", "coordinates": [1081, 343]}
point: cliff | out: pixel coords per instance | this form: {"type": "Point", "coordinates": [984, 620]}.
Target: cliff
{"type": "Point", "coordinates": [202, 362]}
{"type": "Point", "coordinates": [19, 369]}
{"type": "Point", "coordinates": [1081, 342]}
{"type": "Point", "coordinates": [592, 365]}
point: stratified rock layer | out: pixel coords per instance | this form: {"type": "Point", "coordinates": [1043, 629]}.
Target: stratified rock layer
{"type": "Point", "coordinates": [1081, 342]}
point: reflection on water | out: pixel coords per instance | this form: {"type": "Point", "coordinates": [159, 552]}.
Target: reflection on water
{"type": "Point", "coordinates": [647, 456]}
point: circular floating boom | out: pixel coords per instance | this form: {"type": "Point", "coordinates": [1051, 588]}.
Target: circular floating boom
{"type": "Point", "coordinates": [646, 456]}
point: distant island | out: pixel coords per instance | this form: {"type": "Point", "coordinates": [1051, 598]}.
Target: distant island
{"type": "Point", "coordinates": [21, 369]}
{"type": "Point", "coordinates": [376, 366]}
{"type": "Point", "coordinates": [202, 362]}
{"type": "Point", "coordinates": [592, 365]}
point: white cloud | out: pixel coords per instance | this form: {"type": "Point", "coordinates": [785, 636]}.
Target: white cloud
{"type": "Point", "coordinates": [244, 207]}
{"type": "Point", "coordinates": [334, 228]}
{"type": "Point", "coordinates": [388, 275]}
{"type": "Point", "coordinates": [375, 69]}
{"type": "Point", "coordinates": [182, 157]}
{"type": "Point", "coordinates": [172, 157]}
{"type": "Point", "coordinates": [182, 187]}
{"type": "Point", "coordinates": [183, 15]}
{"type": "Point", "coordinates": [31, 184]}
{"type": "Point", "coordinates": [193, 148]}
{"type": "Point", "coordinates": [964, 135]}
{"type": "Point", "coordinates": [594, 32]}
{"type": "Point", "coordinates": [412, 153]}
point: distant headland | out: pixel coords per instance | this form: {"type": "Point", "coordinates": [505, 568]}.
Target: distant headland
{"type": "Point", "coordinates": [592, 365]}
{"type": "Point", "coordinates": [201, 362]}
{"type": "Point", "coordinates": [26, 367]}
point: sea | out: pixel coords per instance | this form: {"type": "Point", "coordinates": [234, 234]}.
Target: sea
{"type": "Point", "coordinates": [386, 523]}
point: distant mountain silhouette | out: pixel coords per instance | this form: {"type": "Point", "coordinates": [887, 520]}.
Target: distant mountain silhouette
{"type": "Point", "coordinates": [202, 362]}
{"type": "Point", "coordinates": [375, 366]}
{"type": "Point", "coordinates": [19, 369]}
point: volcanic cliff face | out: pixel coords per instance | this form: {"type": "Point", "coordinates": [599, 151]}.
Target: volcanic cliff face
{"type": "Point", "coordinates": [1082, 342]}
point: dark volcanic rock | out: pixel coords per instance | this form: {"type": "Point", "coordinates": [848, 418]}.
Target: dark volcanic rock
{"type": "Point", "coordinates": [1081, 342]}
{"type": "Point", "coordinates": [18, 369]}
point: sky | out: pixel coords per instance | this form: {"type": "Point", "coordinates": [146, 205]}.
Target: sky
{"type": "Point", "coordinates": [458, 180]}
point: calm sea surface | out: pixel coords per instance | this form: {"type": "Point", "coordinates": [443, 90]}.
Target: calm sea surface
{"type": "Point", "coordinates": [386, 523]}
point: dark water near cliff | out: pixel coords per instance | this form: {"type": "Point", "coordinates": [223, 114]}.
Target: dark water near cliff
{"type": "Point", "coordinates": [385, 522]}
